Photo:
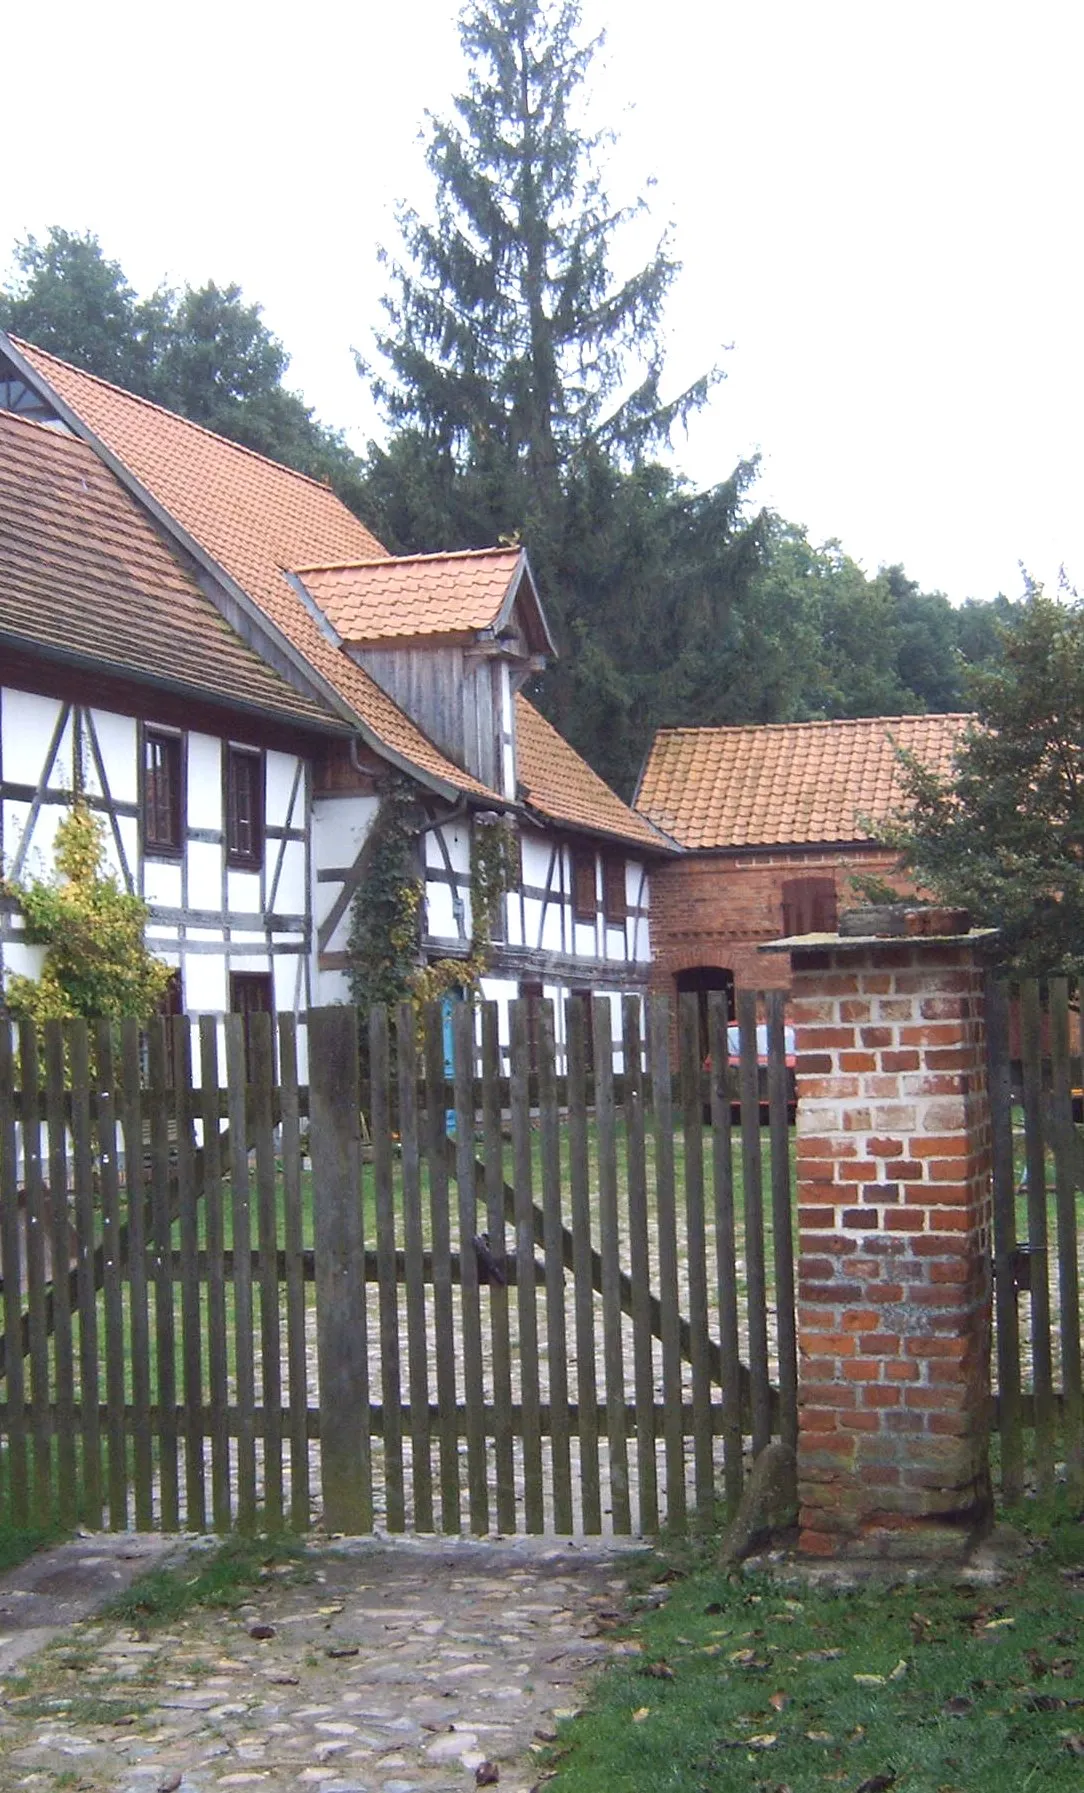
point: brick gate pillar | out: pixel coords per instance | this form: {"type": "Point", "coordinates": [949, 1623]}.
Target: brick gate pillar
{"type": "Point", "coordinates": [895, 1241]}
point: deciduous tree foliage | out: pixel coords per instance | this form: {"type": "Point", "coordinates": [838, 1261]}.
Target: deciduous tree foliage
{"type": "Point", "coordinates": [203, 352]}
{"type": "Point", "coordinates": [1005, 835]}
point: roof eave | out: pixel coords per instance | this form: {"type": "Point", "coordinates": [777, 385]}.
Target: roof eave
{"type": "Point", "coordinates": [332, 726]}
{"type": "Point", "coordinates": [664, 847]}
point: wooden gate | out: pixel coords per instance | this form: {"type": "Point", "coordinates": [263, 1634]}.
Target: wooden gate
{"type": "Point", "coordinates": [506, 1286]}
{"type": "Point", "coordinates": [1035, 1055]}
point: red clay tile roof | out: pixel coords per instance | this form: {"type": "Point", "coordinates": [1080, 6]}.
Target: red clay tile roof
{"type": "Point", "coordinates": [790, 783]}
{"type": "Point", "coordinates": [417, 594]}
{"type": "Point", "coordinates": [254, 518]}
{"type": "Point", "coordinates": [563, 788]}
{"type": "Point", "coordinates": [83, 572]}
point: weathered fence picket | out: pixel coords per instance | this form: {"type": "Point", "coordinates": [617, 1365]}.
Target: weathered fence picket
{"type": "Point", "coordinates": [535, 1320]}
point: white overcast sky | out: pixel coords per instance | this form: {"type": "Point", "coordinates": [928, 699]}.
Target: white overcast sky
{"type": "Point", "coordinates": [877, 204]}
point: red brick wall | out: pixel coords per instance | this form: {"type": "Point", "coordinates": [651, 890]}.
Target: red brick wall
{"type": "Point", "coordinates": [894, 1284]}
{"type": "Point", "coordinates": [716, 909]}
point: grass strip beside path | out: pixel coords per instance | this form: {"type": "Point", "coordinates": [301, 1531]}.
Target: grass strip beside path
{"type": "Point", "coordinates": [743, 1681]}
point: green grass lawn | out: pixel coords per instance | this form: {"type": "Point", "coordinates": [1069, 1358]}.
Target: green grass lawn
{"type": "Point", "coordinates": [734, 1681]}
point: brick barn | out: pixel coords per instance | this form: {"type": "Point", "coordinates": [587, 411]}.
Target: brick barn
{"type": "Point", "coordinates": [775, 822]}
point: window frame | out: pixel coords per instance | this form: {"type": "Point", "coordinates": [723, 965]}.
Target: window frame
{"type": "Point", "coordinates": [173, 743]}
{"type": "Point", "coordinates": [252, 980]}
{"type": "Point", "coordinates": [615, 885]}
{"type": "Point", "coordinates": [582, 860]}
{"type": "Point", "coordinates": [240, 859]}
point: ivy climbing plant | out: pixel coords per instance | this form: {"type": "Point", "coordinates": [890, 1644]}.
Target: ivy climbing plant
{"type": "Point", "coordinates": [97, 962]}
{"type": "Point", "coordinates": [384, 945]}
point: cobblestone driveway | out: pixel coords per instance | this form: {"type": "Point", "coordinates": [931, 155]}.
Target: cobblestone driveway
{"type": "Point", "coordinates": [397, 1669]}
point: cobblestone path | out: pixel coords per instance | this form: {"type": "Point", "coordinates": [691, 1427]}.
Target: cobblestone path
{"type": "Point", "coordinates": [396, 1669]}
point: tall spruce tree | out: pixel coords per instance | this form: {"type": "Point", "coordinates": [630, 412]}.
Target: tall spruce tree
{"type": "Point", "coordinates": [524, 385]}
{"type": "Point", "coordinates": [507, 327]}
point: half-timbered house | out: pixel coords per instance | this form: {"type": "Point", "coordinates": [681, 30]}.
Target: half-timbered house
{"type": "Point", "coordinates": [228, 665]}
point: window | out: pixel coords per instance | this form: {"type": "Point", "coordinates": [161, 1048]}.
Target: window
{"type": "Point", "coordinates": [171, 1004]}
{"type": "Point", "coordinates": [244, 808]}
{"type": "Point", "coordinates": [251, 994]}
{"type": "Point", "coordinates": [163, 807]}
{"type": "Point", "coordinates": [615, 904]}
{"type": "Point", "coordinates": [584, 900]}
{"type": "Point", "coordinates": [809, 906]}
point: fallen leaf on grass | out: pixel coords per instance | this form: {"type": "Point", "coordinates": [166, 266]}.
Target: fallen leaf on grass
{"type": "Point", "coordinates": [640, 1714]}
{"type": "Point", "coordinates": [998, 1624]}
{"type": "Point", "coordinates": [1074, 1743]}
{"type": "Point", "coordinates": [764, 1740]}
{"type": "Point", "coordinates": [870, 1680]}
{"type": "Point", "coordinates": [1064, 1667]}
{"type": "Point", "coordinates": [659, 1671]}
{"type": "Point", "coordinates": [819, 1736]}
{"type": "Point", "coordinates": [819, 1656]}
{"type": "Point", "coordinates": [899, 1671]}
{"type": "Point", "coordinates": [748, 1659]}
{"type": "Point", "coordinates": [778, 1701]}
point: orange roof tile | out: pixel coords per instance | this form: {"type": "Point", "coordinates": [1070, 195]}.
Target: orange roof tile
{"type": "Point", "coordinates": [84, 573]}
{"type": "Point", "coordinates": [562, 787]}
{"type": "Point", "coordinates": [253, 518]}
{"type": "Point", "coordinates": [417, 594]}
{"type": "Point", "coordinates": [790, 783]}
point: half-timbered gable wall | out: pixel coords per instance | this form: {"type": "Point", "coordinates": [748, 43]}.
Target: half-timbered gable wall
{"type": "Point", "coordinates": [216, 913]}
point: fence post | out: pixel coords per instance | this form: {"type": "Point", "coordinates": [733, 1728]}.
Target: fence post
{"type": "Point", "coordinates": [894, 1231]}
{"type": "Point", "coordinates": [335, 1150]}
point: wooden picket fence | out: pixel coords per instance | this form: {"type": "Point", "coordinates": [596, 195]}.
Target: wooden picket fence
{"type": "Point", "coordinates": [497, 1287]}
{"type": "Point", "coordinates": [1035, 1055]}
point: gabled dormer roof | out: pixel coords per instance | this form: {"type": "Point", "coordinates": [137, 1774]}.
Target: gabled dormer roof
{"type": "Point", "coordinates": [480, 592]}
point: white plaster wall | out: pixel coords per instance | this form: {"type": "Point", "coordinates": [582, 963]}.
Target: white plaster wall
{"type": "Point", "coordinates": [205, 784]}
{"type": "Point", "coordinates": [118, 744]}
{"type": "Point", "coordinates": [290, 890]}
{"type": "Point", "coordinates": [536, 850]}
{"type": "Point", "coordinates": [204, 875]}
{"type": "Point", "coordinates": [339, 827]}
{"type": "Point", "coordinates": [280, 772]}
{"type": "Point", "coordinates": [162, 883]}
{"type": "Point", "coordinates": [243, 893]}
{"type": "Point", "coordinates": [24, 961]}
{"type": "Point", "coordinates": [513, 919]}
{"type": "Point", "coordinates": [27, 723]}
{"type": "Point", "coordinates": [205, 987]}
{"type": "Point", "coordinates": [331, 987]}
{"type": "Point", "coordinates": [439, 915]}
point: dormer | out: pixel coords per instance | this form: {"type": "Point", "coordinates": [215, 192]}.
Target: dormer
{"type": "Point", "coordinates": [451, 637]}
